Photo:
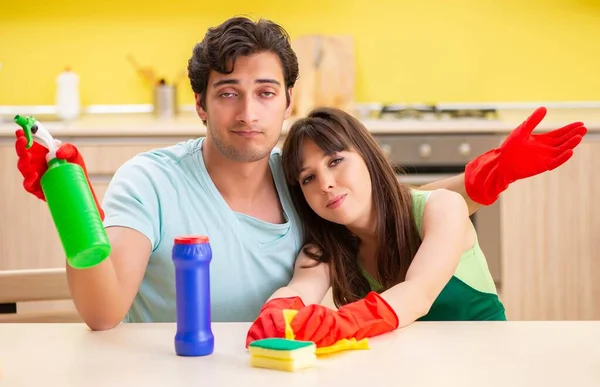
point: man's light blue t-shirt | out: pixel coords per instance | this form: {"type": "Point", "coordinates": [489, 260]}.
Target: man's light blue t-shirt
{"type": "Point", "coordinates": [165, 193]}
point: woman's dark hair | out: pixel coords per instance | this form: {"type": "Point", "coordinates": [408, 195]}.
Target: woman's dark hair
{"type": "Point", "coordinates": [333, 130]}
{"type": "Point", "coordinates": [240, 36]}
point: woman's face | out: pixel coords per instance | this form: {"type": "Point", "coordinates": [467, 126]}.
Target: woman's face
{"type": "Point", "coordinates": [337, 187]}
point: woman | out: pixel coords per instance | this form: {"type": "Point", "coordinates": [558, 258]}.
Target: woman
{"type": "Point", "coordinates": [391, 254]}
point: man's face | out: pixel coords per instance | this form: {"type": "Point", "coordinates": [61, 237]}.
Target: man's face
{"type": "Point", "coordinates": [245, 110]}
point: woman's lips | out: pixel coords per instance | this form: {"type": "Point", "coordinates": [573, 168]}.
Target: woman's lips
{"type": "Point", "coordinates": [336, 201]}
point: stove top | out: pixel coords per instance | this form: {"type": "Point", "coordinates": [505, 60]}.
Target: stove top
{"type": "Point", "coordinates": [400, 111]}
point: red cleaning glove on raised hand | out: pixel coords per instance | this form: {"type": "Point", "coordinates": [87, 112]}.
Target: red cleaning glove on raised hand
{"type": "Point", "coordinates": [369, 317]}
{"type": "Point", "coordinates": [521, 155]}
{"type": "Point", "coordinates": [32, 164]}
{"type": "Point", "coordinates": [270, 321]}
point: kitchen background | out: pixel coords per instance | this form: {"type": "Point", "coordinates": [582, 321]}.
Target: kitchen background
{"type": "Point", "coordinates": [436, 82]}
{"type": "Point", "coordinates": [405, 50]}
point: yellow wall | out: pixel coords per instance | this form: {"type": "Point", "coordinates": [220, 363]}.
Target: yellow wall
{"type": "Point", "coordinates": [407, 50]}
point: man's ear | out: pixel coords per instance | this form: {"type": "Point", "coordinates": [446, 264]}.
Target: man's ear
{"type": "Point", "coordinates": [199, 109]}
{"type": "Point", "coordinates": [288, 111]}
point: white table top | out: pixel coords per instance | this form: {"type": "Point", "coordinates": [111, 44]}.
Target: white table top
{"type": "Point", "coordinates": [423, 354]}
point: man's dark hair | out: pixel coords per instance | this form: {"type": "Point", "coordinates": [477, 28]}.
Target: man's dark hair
{"type": "Point", "coordinates": [240, 36]}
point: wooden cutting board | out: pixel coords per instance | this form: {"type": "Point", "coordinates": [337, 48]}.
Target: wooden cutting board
{"type": "Point", "coordinates": [327, 75]}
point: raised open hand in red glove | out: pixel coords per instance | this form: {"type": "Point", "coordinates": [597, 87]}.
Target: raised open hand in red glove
{"type": "Point", "coordinates": [32, 164]}
{"type": "Point", "coordinates": [270, 321]}
{"type": "Point", "coordinates": [369, 317]}
{"type": "Point", "coordinates": [521, 155]}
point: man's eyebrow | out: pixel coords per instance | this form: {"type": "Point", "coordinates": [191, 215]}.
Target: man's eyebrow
{"type": "Point", "coordinates": [236, 82]}
{"type": "Point", "coordinates": [267, 80]}
{"type": "Point", "coordinates": [226, 82]}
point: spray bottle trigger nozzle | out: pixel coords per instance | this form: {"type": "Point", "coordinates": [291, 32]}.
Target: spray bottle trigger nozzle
{"type": "Point", "coordinates": [26, 123]}
{"type": "Point", "coordinates": [34, 130]}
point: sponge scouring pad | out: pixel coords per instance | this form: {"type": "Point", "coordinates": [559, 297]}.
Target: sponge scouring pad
{"type": "Point", "coordinates": [282, 354]}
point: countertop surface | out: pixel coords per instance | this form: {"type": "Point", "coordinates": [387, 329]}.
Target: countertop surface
{"type": "Point", "coordinates": [422, 354]}
{"type": "Point", "coordinates": [189, 125]}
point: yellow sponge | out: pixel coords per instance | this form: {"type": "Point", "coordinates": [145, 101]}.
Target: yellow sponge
{"type": "Point", "coordinates": [282, 354]}
{"type": "Point", "coordinates": [339, 346]}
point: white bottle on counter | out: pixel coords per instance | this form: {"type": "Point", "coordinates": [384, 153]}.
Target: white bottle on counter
{"type": "Point", "coordinates": [68, 105]}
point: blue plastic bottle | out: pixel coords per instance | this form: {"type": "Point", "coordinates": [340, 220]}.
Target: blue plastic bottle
{"type": "Point", "coordinates": [192, 256]}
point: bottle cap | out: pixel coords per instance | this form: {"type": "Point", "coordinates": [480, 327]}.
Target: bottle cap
{"type": "Point", "coordinates": [191, 240]}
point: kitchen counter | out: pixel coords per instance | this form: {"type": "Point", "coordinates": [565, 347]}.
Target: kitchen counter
{"type": "Point", "coordinates": [189, 125]}
{"type": "Point", "coordinates": [422, 354]}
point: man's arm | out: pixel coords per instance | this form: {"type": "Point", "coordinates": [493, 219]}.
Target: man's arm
{"type": "Point", "coordinates": [104, 293]}
{"type": "Point", "coordinates": [456, 184]}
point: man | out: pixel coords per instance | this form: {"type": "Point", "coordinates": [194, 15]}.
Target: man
{"type": "Point", "coordinates": [230, 186]}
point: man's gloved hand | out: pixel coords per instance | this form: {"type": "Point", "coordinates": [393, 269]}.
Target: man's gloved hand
{"type": "Point", "coordinates": [270, 321]}
{"type": "Point", "coordinates": [32, 164]}
{"type": "Point", "coordinates": [369, 317]}
{"type": "Point", "coordinates": [521, 155]}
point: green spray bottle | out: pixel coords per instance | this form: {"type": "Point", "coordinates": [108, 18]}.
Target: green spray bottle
{"type": "Point", "coordinates": [70, 201]}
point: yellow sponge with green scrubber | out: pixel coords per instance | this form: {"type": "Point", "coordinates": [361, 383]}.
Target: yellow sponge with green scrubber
{"type": "Point", "coordinates": [282, 354]}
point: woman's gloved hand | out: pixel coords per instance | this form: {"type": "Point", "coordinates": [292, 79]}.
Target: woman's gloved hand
{"type": "Point", "coordinates": [369, 317]}
{"type": "Point", "coordinates": [270, 322]}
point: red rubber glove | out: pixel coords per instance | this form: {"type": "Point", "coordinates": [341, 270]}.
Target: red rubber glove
{"type": "Point", "coordinates": [270, 321]}
{"type": "Point", "coordinates": [32, 164]}
{"type": "Point", "coordinates": [521, 155]}
{"type": "Point", "coordinates": [369, 317]}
